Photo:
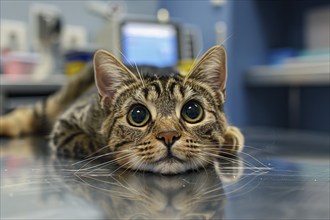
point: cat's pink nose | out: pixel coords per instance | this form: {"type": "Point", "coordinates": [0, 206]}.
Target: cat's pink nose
{"type": "Point", "coordinates": [168, 137]}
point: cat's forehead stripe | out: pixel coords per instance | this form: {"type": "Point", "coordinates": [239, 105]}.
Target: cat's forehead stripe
{"type": "Point", "coordinates": [145, 92]}
{"type": "Point", "coordinates": [171, 85]}
{"type": "Point", "coordinates": [157, 86]}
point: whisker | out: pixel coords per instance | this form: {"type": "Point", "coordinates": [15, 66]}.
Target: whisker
{"type": "Point", "coordinates": [249, 155]}
{"type": "Point", "coordinates": [231, 154]}
{"type": "Point", "coordinates": [139, 73]}
{"type": "Point", "coordinates": [222, 187]}
{"type": "Point", "coordinates": [236, 189]}
{"type": "Point", "coordinates": [91, 159]}
{"type": "Point", "coordinates": [131, 166]}
{"type": "Point", "coordinates": [125, 57]}
{"type": "Point", "coordinates": [203, 144]}
{"type": "Point", "coordinates": [217, 156]}
{"type": "Point", "coordinates": [195, 60]}
{"type": "Point", "coordinates": [131, 189]}
{"type": "Point", "coordinates": [98, 150]}
{"type": "Point", "coordinates": [224, 41]}
{"type": "Point", "coordinates": [120, 167]}
{"type": "Point", "coordinates": [207, 175]}
{"type": "Point", "coordinates": [113, 192]}
{"type": "Point", "coordinates": [137, 69]}
{"type": "Point", "coordinates": [140, 164]}
{"type": "Point", "coordinates": [247, 164]}
{"type": "Point", "coordinates": [98, 166]}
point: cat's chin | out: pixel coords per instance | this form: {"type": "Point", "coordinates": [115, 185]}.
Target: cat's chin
{"type": "Point", "coordinates": [169, 166]}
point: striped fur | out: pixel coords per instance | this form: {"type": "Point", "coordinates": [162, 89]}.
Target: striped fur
{"type": "Point", "coordinates": [98, 124]}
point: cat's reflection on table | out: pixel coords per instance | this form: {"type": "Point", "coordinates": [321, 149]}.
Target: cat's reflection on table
{"type": "Point", "coordinates": [124, 194]}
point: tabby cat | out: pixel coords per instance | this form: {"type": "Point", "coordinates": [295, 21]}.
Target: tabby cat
{"type": "Point", "coordinates": [151, 122]}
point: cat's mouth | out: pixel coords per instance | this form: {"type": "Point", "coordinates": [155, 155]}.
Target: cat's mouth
{"type": "Point", "coordinates": [170, 158]}
{"type": "Point", "coordinates": [169, 163]}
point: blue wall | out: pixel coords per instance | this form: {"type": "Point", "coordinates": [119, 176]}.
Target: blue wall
{"type": "Point", "coordinates": [248, 48]}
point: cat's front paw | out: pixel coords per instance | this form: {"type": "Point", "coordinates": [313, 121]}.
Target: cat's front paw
{"type": "Point", "coordinates": [234, 140]}
{"type": "Point", "coordinates": [19, 122]}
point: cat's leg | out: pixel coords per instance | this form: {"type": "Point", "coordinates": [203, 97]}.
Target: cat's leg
{"type": "Point", "coordinates": [69, 140]}
{"type": "Point", "coordinates": [39, 118]}
{"type": "Point", "coordinates": [234, 140]}
{"type": "Point", "coordinates": [18, 122]}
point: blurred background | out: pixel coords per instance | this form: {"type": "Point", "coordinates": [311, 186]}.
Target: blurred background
{"type": "Point", "coordinates": [278, 51]}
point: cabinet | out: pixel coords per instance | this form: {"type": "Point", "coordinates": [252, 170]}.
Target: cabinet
{"type": "Point", "coordinates": [25, 90]}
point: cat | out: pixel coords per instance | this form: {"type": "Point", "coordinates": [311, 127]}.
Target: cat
{"type": "Point", "coordinates": [163, 123]}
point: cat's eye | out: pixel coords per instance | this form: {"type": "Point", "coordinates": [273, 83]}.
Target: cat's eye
{"type": "Point", "coordinates": [138, 116]}
{"type": "Point", "coordinates": [192, 112]}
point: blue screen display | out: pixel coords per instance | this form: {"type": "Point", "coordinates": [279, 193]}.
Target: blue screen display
{"type": "Point", "coordinates": [149, 44]}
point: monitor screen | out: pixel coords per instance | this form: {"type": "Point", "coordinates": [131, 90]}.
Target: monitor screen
{"type": "Point", "coordinates": [149, 43]}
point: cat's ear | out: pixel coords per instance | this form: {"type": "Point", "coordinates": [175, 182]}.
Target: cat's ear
{"type": "Point", "coordinates": [110, 74]}
{"type": "Point", "coordinates": [211, 69]}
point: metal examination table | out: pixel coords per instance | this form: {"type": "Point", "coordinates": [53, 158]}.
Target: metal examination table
{"type": "Point", "coordinates": [280, 175]}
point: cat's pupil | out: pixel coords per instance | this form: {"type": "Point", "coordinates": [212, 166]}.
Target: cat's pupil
{"type": "Point", "coordinates": [138, 114]}
{"type": "Point", "coordinates": [192, 110]}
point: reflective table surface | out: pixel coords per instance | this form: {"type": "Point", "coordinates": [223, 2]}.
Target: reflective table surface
{"type": "Point", "coordinates": [279, 175]}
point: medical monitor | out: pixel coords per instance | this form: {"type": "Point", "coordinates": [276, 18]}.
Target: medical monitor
{"type": "Point", "coordinates": [149, 43]}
